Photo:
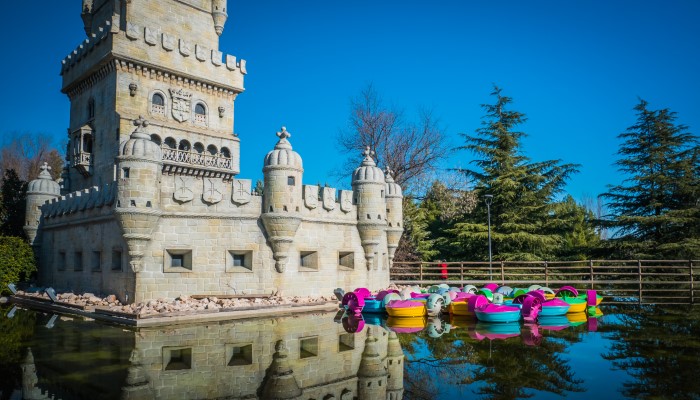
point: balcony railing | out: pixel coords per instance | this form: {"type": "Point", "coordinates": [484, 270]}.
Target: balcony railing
{"type": "Point", "coordinates": [196, 159]}
{"type": "Point", "coordinates": [83, 163]}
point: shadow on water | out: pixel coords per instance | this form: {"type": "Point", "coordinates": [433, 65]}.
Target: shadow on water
{"type": "Point", "coordinates": [631, 352]}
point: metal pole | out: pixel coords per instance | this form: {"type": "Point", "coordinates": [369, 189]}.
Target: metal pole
{"type": "Point", "coordinates": [488, 198]}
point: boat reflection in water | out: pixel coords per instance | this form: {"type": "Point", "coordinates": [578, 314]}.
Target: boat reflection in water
{"type": "Point", "coordinates": [299, 357]}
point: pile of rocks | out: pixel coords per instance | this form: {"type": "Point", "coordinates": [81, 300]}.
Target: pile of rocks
{"type": "Point", "coordinates": [183, 304]}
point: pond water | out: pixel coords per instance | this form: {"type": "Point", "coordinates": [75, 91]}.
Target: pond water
{"type": "Point", "coordinates": [627, 352]}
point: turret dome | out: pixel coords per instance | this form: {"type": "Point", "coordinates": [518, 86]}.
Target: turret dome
{"type": "Point", "coordinates": [368, 170]}
{"type": "Point", "coordinates": [140, 144]}
{"type": "Point", "coordinates": [392, 188]}
{"type": "Point", "coordinates": [44, 184]}
{"type": "Point", "coordinates": [283, 155]}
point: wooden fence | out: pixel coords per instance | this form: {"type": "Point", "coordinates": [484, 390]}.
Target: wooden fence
{"type": "Point", "coordinates": [622, 281]}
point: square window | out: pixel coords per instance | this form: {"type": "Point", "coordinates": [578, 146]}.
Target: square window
{"type": "Point", "coordinates": [346, 259]}
{"type": "Point", "coordinates": [308, 260]}
{"type": "Point", "coordinates": [346, 342]}
{"type": "Point", "coordinates": [177, 260]}
{"type": "Point", "coordinates": [96, 261]}
{"type": "Point", "coordinates": [125, 173]}
{"type": "Point", "coordinates": [290, 180]}
{"type": "Point", "coordinates": [177, 358]}
{"type": "Point", "coordinates": [308, 347]}
{"type": "Point", "coordinates": [116, 260]}
{"type": "Point", "coordinates": [78, 261]}
{"type": "Point", "coordinates": [239, 261]}
{"type": "Point", "coordinates": [239, 354]}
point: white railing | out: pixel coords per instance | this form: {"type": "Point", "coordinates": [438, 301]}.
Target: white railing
{"type": "Point", "coordinates": [82, 159]}
{"type": "Point", "coordinates": [194, 158]}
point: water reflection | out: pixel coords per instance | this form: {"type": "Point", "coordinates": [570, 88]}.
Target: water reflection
{"type": "Point", "coordinates": [650, 352]}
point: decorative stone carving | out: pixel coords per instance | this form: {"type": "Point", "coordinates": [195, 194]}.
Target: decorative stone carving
{"type": "Point", "coordinates": [329, 198]}
{"type": "Point", "coordinates": [222, 111]}
{"type": "Point", "coordinates": [346, 201]}
{"type": "Point", "coordinates": [185, 48]}
{"type": "Point", "coordinates": [181, 104]}
{"type": "Point", "coordinates": [311, 196]}
{"type": "Point", "coordinates": [151, 36]}
{"type": "Point", "coordinates": [168, 42]}
{"type": "Point", "coordinates": [183, 189]}
{"type": "Point", "coordinates": [200, 52]}
{"type": "Point", "coordinates": [132, 31]}
{"type": "Point", "coordinates": [240, 192]}
{"type": "Point", "coordinates": [132, 89]}
{"type": "Point", "coordinates": [213, 191]}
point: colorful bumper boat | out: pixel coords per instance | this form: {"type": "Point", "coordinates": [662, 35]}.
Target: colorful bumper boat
{"type": "Point", "coordinates": [497, 313]}
{"type": "Point", "coordinates": [406, 324]}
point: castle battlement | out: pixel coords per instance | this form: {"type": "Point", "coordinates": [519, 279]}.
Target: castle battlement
{"type": "Point", "coordinates": [80, 201]}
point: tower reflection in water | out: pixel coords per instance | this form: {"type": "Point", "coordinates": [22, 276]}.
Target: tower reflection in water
{"type": "Point", "coordinates": [297, 357]}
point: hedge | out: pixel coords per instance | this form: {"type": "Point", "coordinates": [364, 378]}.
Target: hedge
{"type": "Point", "coordinates": [17, 262]}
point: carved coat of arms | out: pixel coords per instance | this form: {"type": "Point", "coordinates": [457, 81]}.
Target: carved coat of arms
{"type": "Point", "coordinates": [310, 196]}
{"type": "Point", "coordinates": [183, 189]}
{"type": "Point", "coordinates": [182, 104]}
{"type": "Point", "coordinates": [213, 190]}
{"type": "Point", "coordinates": [240, 192]}
{"type": "Point", "coordinates": [328, 198]}
{"type": "Point", "coordinates": [346, 201]}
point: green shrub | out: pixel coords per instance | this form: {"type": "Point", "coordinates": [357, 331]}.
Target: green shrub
{"type": "Point", "coordinates": [17, 261]}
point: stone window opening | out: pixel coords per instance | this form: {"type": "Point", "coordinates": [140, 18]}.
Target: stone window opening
{"type": "Point", "coordinates": [346, 259]}
{"type": "Point", "coordinates": [225, 152]}
{"type": "Point", "coordinates": [199, 148]}
{"type": "Point", "coordinates": [308, 347]}
{"type": "Point", "coordinates": [177, 260]}
{"type": "Point", "coordinates": [239, 261]}
{"type": "Point", "coordinates": [91, 109]}
{"type": "Point", "coordinates": [200, 113]}
{"type": "Point", "coordinates": [125, 173]}
{"type": "Point", "coordinates": [158, 104]}
{"type": "Point", "coordinates": [96, 261]}
{"type": "Point", "coordinates": [291, 181]}
{"type": "Point", "coordinates": [212, 150]}
{"type": "Point", "coordinates": [61, 261]}
{"type": "Point", "coordinates": [116, 260]}
{"type": "Point", "coordinates": [239, 355]}
{"type": "Point", "coordinates": [170, 143]}
{"type": "Point", "coordinates": [156, 139]}
{"type": "Point", "coordinates": [177, 358]}
{"type": "Point", "coordinates": [78, 261]}
{"type": "Point", "coordinates": [184, 145]}
{"type": "Point", "coordinates": [132, 203]}
{"type": "Point", "coordinates": [308, 260]}
{"type": "Point", "coordinates": [148, 204]}
{"type": "Point", "coordinates": [368, 216]}
{"type": "Point", "coordinates": [346, 342]}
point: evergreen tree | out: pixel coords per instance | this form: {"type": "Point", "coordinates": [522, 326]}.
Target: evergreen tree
{"type": "Point", "coordinates": [577, 228]}
{"type": "Point", "coordinates": [524, 224]}
{"type": "Point", "coordinates": [655, 212]}
{"type": "Point", "coordinates": [12, 205]}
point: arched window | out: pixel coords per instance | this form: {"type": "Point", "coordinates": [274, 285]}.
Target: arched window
{"type": "Point", "coordinates": [170, 142]}
{"type": "Point", "coordinates": [225, 152]}
{"type": "Point", "coordinates": [184, 145]}
{"type": "Point", "coordinates": [158, 104]}
{"type": "Point", "coordinates": [158, 100]}
{"type": "Point", "coordinates": [198, 147]}
{"type": "Point", "coordinates": [211, 149]}
{"type": "Point", "coordinates": [200, 114]}
{"type": "Point", "coordinates": [156, 139]}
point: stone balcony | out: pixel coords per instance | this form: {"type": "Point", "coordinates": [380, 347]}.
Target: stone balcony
{"type": "Point", "coordinates": [83, 163]}
{"type": "Point", "coordinates": [187, 162]}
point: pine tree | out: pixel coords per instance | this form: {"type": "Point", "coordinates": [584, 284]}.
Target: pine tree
{"type": "Point", "coordinates": [524, 225]}
{"type": "Point", "coordinates": [655, 212]}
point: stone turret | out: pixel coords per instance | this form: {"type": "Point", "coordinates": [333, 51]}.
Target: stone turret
{"type": "Point", "coordinates": [218, 12]}
{"type": "Point", "coordinates": [282, 197]}
{"type": "Point", "coordinates": [86, 15]}
{"type": "Point", "coordinates": [138, 191]}
{"type": "Point", "coordinates": [394, 363]}
{"type": "Point", "coordinates": [368, 187]}
{"type": "Point", "coordinates": [394, 213]}
{"type": "Point", "coordinates": [372, 374]}
{"type": "Point", "coordinates": [280, 382]}
{"type": "Point", "coordinates": [40, 190]}
{"type": "Point", "coordinates": [137, 386]}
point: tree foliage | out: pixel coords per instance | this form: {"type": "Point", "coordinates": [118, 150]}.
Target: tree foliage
{"type": "Point", "coordinates": [655, 212]}
{"type": "Point", "coordinates": [525, 224]}
{"type": "Point", "coordinates": [13, 203]}
{"type": "Point", "coordinates": [17, 262]}
{"type": "Point", "coordinates": [26, 152]}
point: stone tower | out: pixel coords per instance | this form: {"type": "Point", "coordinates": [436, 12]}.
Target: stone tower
{"type": "Point", "coordinates": [282, 197]}
{"type": "Point", "coordinates": [39, 191]}
{"type": "Point", "coordinates": [138, 191]}
{"type": "Point", "coordinates": [394, 363]}
{"type": "Point", "coordinates": [372, 374]}
{"type": "Point", "coordinates": [394, 213]}
{"type": "Point", "coordinates": [368, 186]}
{"type": "Point", "coordinates": [281, 382]}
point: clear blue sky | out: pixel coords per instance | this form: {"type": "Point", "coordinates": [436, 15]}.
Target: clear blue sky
{"type": "Point", "coordinates": [576, 68]}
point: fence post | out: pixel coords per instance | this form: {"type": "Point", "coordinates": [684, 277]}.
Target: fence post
{"type": "Point", "coordinates": [590, 265]}
{"type": "Point", "coordinates": [546, 274]}
{"type": "Point", "coordinates": [503, 275]}
{"type": "Point", "coordinates": [420, 271]}
{"type": "Point", "coordinates": [461, 271]}
{"type": "Point", "coordinates": [692, 289]}
{"type": "Point", "coordinates": [639, 272]}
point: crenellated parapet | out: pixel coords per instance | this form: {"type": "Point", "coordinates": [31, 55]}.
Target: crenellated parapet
{"type": "Point", "coordinates": [79, 202]}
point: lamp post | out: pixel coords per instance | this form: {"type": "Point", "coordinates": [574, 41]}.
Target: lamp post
{"type": "Point", "coordinates": [488, 199]}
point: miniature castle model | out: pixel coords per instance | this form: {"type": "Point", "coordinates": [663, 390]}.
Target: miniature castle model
{"type": "Point", "coordinates": [151, 205]}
